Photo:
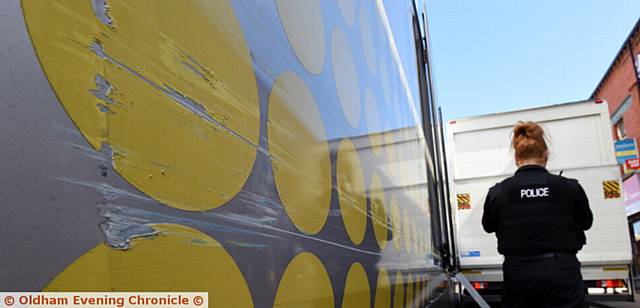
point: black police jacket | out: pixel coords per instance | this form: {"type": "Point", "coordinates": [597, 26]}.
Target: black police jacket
{"type": "Point", "coordinates": [536, 212]}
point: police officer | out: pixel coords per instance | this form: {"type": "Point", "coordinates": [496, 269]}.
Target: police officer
{"type": "Point", "coordinates": [539, 219]}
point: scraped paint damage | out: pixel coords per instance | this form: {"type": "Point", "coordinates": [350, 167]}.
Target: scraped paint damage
{"type": "Point", "coordinates": [101, 92]}
{"type": "Point", "coordinates": [180, 115]}
{"type": "Point", "coordinates": [107, 191]}
{"type": "Point", "coordinates": [103, 89]}
{"type": "Point", "coordinates": [101, 10]}
{"type": "Point", "coordinates": [122, 223]}
{"type": "Point", "coordinates": [119, 230]}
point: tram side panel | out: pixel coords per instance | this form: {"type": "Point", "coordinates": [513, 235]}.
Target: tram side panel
{"type": "Point", "coordinates": [265, 152]}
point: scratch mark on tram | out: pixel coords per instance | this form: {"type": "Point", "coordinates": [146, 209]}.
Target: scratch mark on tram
{"type": "Point", "coordinates": [183, 100]}
{"type": "Point", "coordinates": [102, 91]}
{"type": "Point", "coordinates": [119, 230]}
{"type": "Point", "coordinates": [101, 10]}
{"type": "Point", "coordinates": [201, 221]}
{"type": "Point", "coordinates": [107, 191]}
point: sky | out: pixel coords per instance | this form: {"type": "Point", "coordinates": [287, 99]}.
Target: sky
{"type": "Point", "coordinates": [500, 55]}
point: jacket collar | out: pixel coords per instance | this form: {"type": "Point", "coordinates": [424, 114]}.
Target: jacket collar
{"type": "Point", "coordinates": [531, 167]}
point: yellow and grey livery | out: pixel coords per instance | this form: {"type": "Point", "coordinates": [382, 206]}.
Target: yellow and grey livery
{"type": "Point", "coordinates": [271, 153]}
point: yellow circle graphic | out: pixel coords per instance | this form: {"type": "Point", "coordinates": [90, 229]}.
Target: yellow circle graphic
{"type": "Point", "coordinates": [423, 241]}
{"type": "Point", "coordinates": [426, 240]}
{"type": "Point", "coordinates": [366, 36]}
{"type": "Point", "coordinates": [384, 80]}
{"type": "Point", "coordinates": [396, 227]}
{"type": "Point", "coordinates": [305, 283]}
{"type": "Point", "coordinates": [373, 121]}
{"type": "Point", "coordinates": [348, 10]}
{"type": "Point", "coordinates": [398, 292]}
{"type": "Point", "coordinates": [406, 231]}
{"type": "Point", "coordinates": [179, 114]}
{"type": "Point", "coordinates": [378, 211]}
{"type": "Point", "coordinates": [177, 258]}
{"type": "Point", "coordinates": [409, 296]}
{"type": "Point", "coordinates": [396, 94]}
{"type": "Point", "coordinates": [351, 191]}
{"type": "Point", "coordinates": [356, 289]}
{"type": "Point", "coordinates": [425, 287]}
{"type": "Point", "coordinates": [345, 76]}
{"type": "Point", "coordinates": [420, 288]}
{"type": "Point", "coordinates": [415, 238]}
{"type": "Point", "coordinates": [304, 26]}
{"type": "Point", "coordinates": [391, 154]}
{"type": "Point", "coordinates": [299, 153]}
{"type": "Point", "coordinates": [383, 290]}
{"type": "Point", "coordinates": [419, 242]}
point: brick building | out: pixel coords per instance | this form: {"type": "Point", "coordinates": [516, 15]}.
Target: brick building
{"type": "Point", "coordinates": [620, 88]}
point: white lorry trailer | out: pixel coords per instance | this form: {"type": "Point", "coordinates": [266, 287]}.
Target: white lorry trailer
{"type": "Point", "coordinates": [581, 147]}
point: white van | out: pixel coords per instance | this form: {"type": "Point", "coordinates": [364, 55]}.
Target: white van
{"type": "Point", "coordinates": [581, 147]}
